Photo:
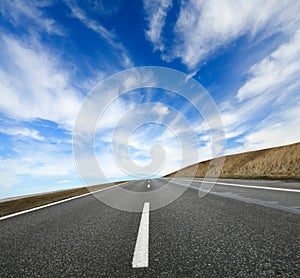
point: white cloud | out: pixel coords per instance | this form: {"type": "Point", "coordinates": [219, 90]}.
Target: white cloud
{"type": "Point", "coordinates": [160, 109]}
{"type": "Point", "coordinates": [205, 26]}
{"type": "Point", "coordinates": [280, 68]}
{"type": "Point", "coordinates": [17, 12]}
{"type": "Point", "coordinates": [118, 164]}
{"type": "Point", "coordinates": [36, 159]}
{"type": "Point", "coordinates": [136, 132]}
{"type": "Point", "coordinates": [23, 132]}
{"type": "Point", "coordinates": [265, 112]}
{"type": "Point", "coordinates": [156, 12]}
{"type": "Point", "coordinates": [64, 181]}
{"type": "Point", "coordinates": [106, 106]}
{"type": "Point", "coordinates": [113, 114]}
{"type": "Point", "coordinates": [34, 85]}
{"type": "Point", "coordinates": [90, 23]}
{"type": "Point", "coordinates": [281, 128]}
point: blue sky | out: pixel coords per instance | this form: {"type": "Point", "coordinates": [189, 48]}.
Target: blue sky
{"type": "Point", "coordinates": [53, 53]}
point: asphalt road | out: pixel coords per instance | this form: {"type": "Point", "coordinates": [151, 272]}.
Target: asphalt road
{"type": "Point", "coordinates": [231, 232]}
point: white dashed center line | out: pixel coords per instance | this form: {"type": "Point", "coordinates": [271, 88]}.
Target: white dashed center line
{"type": "Point", "coordinates": [140, 256]}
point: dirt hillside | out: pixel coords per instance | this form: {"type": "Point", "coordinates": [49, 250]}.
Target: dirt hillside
{"type": "Point", "coordinates": [275, 163]}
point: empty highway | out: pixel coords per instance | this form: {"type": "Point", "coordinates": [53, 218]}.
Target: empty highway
{"type": "Point", "coordinates": [237, 230]}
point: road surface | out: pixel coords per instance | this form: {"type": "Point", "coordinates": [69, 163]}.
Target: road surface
{"type": "Point", "coordinates": [231, 232]}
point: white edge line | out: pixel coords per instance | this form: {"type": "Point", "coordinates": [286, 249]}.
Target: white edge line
{"type": "Point", "coordinates": [140, 256]}
{"type": "Point", "coordinates": [247, 186]}
{"type": "Point", "coordinates": [55, 203]}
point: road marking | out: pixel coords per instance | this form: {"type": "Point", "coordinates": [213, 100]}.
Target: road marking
{"type": "Point", "coordinates": [140, 256]}
{"type": "Point", "coordinates": [250, 186]}
{"type": "Point", "coordinates": [55, 203]}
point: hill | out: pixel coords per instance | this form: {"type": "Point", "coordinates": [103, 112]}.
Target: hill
{"type": "Point", "coordinates": [274, 163]}
{"type": "Point", "coordinates": [29, 202]}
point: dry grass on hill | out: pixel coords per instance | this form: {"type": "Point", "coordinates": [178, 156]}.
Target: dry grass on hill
{"type": "Point", "coordinates": [275, 163]}
{"type": "Point", "coordinates": [12, 206]}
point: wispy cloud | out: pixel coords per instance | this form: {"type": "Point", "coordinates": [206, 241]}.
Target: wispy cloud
{"type": "Point", "coordinates": [280, 69]}
{"type": "Point", "coordinates": [64, 181]}
{"type": "Point", "coordinates": [23, 132]}
{"type": "Point", "coordinates": [31, 14]}
{"type": "Point", "coordinates": [156, 12]}
{"type": "Point", "coordinates": [264, 110]}
{"type": "Point", "coordinates": [203, 27]}
{"type": "Point", "coordinates": [94, 25]}
{"type": "Point", "coordinates": [34, 84]}
{"type": "Point", "coordinates": [106, 34]}
{"type": "Point", "coordinates": [279, 129]}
